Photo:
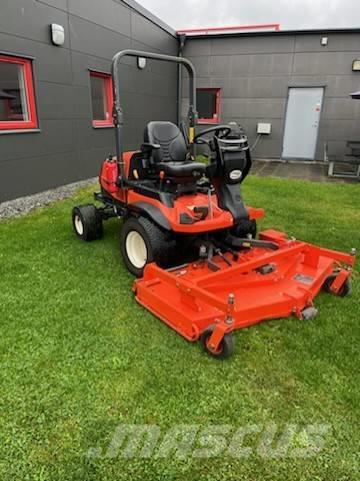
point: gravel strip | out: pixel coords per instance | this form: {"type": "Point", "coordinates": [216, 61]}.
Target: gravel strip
{"type": "Point", "coordinates": [23, 205]}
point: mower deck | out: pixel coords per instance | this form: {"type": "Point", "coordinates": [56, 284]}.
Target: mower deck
{"type": "Point", "coordinates": [260, 284]}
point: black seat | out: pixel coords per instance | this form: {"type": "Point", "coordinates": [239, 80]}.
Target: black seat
{"type": "Point", "coordinates": [181, 169]}
{"type": "Point", "coordinates": [172, 157]}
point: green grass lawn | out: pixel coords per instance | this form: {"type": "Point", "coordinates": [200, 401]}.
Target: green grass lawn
{"type": "Point", "coordinates": [79, 357]}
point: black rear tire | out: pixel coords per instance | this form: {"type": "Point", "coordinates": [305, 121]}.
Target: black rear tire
{"type": "Point", "coordinates": [87, 222]}
{"type": "Point", "coordinates": [226, 346]}
{"type": "Point", "coordinates": [156, 245]}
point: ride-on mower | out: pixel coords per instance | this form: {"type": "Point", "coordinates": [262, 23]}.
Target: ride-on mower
{"type": "Point", "coordinates": [191, 241]}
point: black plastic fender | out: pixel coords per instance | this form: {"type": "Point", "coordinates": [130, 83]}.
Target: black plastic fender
{"type": "Point", "coordinates": [153, 212]}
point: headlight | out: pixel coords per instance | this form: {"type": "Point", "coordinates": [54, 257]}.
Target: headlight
{"type": "Point", "coordinates": [235, 174]}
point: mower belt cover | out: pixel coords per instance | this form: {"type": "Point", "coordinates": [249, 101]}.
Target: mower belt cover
{"type": "Point", "coordinates": [256, 285]}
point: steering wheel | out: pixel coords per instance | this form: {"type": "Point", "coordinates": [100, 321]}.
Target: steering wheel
{"type": "Point", "coordinates": [221, 131]}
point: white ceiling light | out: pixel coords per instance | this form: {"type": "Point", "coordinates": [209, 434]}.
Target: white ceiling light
{"type": "Point", "coordinates": [141, 62]}
{"type": "Point", "coordinates": [57, 34]}
{"type": "Point", "coordinates": [324, 41]}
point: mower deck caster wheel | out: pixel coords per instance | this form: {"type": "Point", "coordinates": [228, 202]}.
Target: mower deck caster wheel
{"type": "Point", "coordinates": [345, 289]}
{"type": "Point", "coordinates": [87, 222]}
{"type": "Point", "coordinates": [226, 346]}
{"type": "Point", "coordinates": [309, 313]}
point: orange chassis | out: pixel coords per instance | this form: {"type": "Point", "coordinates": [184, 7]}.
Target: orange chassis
{"type": "Point", "coordinates": [191, 298]}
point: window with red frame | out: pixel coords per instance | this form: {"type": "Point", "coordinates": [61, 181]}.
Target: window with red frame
{"type": "Point", "coordinates": [208, 105]}
{"type": "Point", "coordinates": [101, 99]}
{"type": "Point", "coordinates": [17, 97]}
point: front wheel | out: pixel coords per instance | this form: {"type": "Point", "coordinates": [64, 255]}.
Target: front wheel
{"type": "Point", "coordinates": [142, 242]}
{"type": "Point", "coordinates": [225, 348]}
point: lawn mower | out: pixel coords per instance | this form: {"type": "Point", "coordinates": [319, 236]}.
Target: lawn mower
{"type": "Point", "coordinates": [189, 238]}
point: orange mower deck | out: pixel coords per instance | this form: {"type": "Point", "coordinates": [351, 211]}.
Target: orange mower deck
{"type": "Point", "coordinates": [260, 284]}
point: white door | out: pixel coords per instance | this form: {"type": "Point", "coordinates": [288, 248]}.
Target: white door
{"type": "Point", "coordinates": [302, 122]}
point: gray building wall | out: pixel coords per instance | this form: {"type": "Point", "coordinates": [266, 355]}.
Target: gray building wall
{"type": "Point", "coordinates": [255, 72]}
{"type": "Point", "coordinates": [67, 148]}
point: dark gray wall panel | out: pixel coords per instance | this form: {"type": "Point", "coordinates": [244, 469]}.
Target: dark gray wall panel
{"type": "Point", "coordinates": [50, 63]}
{"type": "Point", "coordinates": [31, 19]}
{"type": "Point", "coordinates": [336, 85]}
{"type": "Point", "coordinates": [268, 148]}
{"type": "Point", "coordinates": [88, 162]}
{"type": "Point", "coordinates": [151, 83]}
{"type": "Point", "coordinates": [68, 147]}
{"type": "Point", "coordinates": [342, 109]}
{"type": "Point", "coordinates": [226, 65]}
{"type": "Point", "coordinates": [61, 4]}
{"type": "Point", "coordinates": [336, 42]}
{"type": "Point", "coordinates": [244, 87]}
{"type": "Point", "coordinates": [55, 101]}
{"type": "Point", "coordinates": [162, 68]}
{"type": "Point", "coordinates": [63, 101]}
{"type": "Point", "coordinates": [196, 49]}
{"type": "Point", "coordinates": [81, 101]}
{"type": "Point", "coordinates": [148, 33]}
{"type": "Point", "coordinates": [88, 136]}
{"type": "Point", "coordinates": [148, 107]}
{"type": "Point", "coordinates": [87, 37]}
{"type": "Point", "coordinates": [107, 13]}
{"type": "Point", "coordinates": [81, 64]}
{"type": "Point", "coordinates": [336, 147]}
{"type": "Point", "coordinates": [27, 175]}
{"type": "Point", "coordinates": [202, 65]}
{"type": "Point", "coordinates": [261, 64]}
{"type": "Point", "coordinates": [255, 74]}
{"type": "Point", "coordinates": [254, 108]}
{"type": "Point", "coordinates": [55, 136]}
{"type": "Point", "coordinates": [252, 45]}
{"type": "Point", "coordinates": [339, 130]}
{"type": "Point", "coordinates": [324, 63]}
{"type": "Point", "coordinates": [258, 87]}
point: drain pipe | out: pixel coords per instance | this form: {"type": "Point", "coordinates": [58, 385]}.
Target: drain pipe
{"type": "Point", "coordinates": [182, 40]}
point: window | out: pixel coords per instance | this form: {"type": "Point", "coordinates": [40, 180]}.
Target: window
{"type": "Point", "coordinates": [17, 98]}
{"type": "Point", "coordinates": [208, 105]}
{"type": "Point", "coordinates": [101, 99]}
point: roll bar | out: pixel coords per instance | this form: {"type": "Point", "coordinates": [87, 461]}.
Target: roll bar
{"type": "Point", "coordinates": [118, 115]}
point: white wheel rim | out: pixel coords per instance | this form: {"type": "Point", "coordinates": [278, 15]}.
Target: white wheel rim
{"type": "Point", "coordinates": [136, 249]}
{"type": "Point", "coordinates": [79, 227]}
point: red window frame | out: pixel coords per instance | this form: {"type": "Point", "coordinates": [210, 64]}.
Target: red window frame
{"type": "Point", "coordinates": [108, 122]}
{"type": "Point", "coordinates": [32, 123]}
{"type": "Point", "coordinates": [216, 117]}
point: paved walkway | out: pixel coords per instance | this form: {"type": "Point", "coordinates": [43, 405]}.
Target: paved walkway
{"type": "Point", "coordinates": [316, 172]}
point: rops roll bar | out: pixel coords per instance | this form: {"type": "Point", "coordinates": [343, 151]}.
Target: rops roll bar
{"type": "Point", "coordinates": [118, 112]}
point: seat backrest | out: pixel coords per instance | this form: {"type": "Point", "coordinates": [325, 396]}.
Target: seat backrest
{"type": "Point", "coordinates": [169, 137]}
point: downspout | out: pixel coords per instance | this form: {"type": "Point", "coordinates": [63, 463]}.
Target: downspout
{"type": "Point", "coordinates": [182, 40]}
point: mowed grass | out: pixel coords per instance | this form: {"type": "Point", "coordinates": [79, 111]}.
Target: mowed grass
{"type": "Point", "coordinates": [79, 357]}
